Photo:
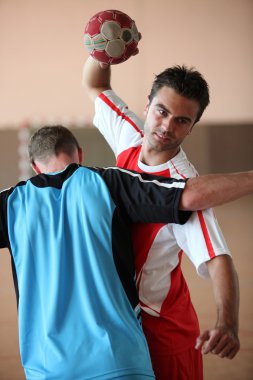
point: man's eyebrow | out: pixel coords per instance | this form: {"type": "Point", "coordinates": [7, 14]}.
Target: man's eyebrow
{"type": "Point", "coordinates": [160, 105]}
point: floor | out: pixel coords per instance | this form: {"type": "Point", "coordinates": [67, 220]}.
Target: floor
{"type": "Point", "coordinates": [236, 221]}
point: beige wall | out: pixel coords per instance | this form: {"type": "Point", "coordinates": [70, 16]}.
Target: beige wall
{"type": "Point", "coordinates": [42, 52]}
{"type": "Point", "coordinates": [41, 57]}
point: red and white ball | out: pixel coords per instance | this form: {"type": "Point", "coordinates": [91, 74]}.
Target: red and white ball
{"type": "Point", "coordinates": [111, 36]}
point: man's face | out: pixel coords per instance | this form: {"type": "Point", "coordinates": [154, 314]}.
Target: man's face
{"type": "Point", "coordinates": [169, 119]}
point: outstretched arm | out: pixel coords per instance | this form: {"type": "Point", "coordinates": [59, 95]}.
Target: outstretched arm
{"type": "Point", "coordinates": [96, 77]}
{"type": "Point", "coordinates": [222, 340]}
{"type": "Point", "coordinates": [215, 189]}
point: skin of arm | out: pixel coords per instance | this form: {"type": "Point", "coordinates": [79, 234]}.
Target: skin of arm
{"type": "Point", "coordinates": [212, 190]}
{"type": "Point", "coordinates": [222, 340]}
{"type": "Point", "coordinates": [96, 78]}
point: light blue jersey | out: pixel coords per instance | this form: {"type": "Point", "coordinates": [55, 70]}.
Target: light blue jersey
{"type": "Point", "coordinates": [69, 237]}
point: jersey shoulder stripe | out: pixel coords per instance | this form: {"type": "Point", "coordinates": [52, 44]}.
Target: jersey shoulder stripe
{"type": "Point", "coordinates": [104, 98]}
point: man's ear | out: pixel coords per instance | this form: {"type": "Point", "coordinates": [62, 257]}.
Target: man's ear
{"type": "Point", "coordinates": [147, 107]}
{"type": "Point", "coordinates": [35, 168]}
{"type": "Point", "coordinates": [80, 155]}
{"type": "Point", "coordinates": [190, 131]}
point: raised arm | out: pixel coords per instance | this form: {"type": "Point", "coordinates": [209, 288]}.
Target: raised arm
{"type": "Point", "coordinates": [215, 189]}
{"type": "Point", "coordinates": [96, 77]}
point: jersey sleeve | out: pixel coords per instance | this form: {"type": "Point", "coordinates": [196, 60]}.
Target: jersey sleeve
{"type": "Point", "coordinates": [201, 239]}
{"type": "Point", "coordinates": [120, 127]}
{"type": "Point", "coordinates": [145, 198]}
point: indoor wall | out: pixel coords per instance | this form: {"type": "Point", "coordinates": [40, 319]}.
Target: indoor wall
{"type": "Point", "coordinates": [41, 58]}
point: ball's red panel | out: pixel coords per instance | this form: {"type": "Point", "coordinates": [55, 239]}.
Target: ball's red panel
{"type": "Point", "coordinates": [93, 27]}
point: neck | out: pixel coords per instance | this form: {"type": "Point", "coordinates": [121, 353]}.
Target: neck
{"type": "Point", "coordinates": [57, 167]}
{"type": "Point", "coordinates": [50, 168]}
{"type": "Point", "coordinates": [55, 163]}
{"type": "Point", "coordinates": [151, 157]}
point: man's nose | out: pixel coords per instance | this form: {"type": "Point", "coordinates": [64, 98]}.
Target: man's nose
{"type": "Point", "coordinates": [168, 124]}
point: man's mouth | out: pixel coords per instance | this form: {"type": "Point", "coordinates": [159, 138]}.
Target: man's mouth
{"type": "Point", "coordinates": [162, 137]}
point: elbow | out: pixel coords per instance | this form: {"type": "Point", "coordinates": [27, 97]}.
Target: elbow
{"type": "Point", "coordinates": [192, 201]}
{"type": "Point", "coordinates": [196, 196]}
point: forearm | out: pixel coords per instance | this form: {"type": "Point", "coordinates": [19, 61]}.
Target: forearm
{"type": "Point", "coordinates": [226, 291]}
{"type": "Point", "coordinates": [215, 189]}
{"type": "Point", "coordinates": [222, 339]}
{"type": "Point", "coordinates": [95, 78]}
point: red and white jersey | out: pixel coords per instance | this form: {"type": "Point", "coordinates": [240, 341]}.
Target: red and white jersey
{"type": "Point", "coordinates": [158, 248]}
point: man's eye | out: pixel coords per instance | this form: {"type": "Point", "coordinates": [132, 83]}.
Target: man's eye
{"type": "Point", "coordinates": [162, 112]}
{"type": "Point", "coordinates": [182, 121]}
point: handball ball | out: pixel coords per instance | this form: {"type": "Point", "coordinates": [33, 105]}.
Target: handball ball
{"type": "Point", "coordinates": [111, 37]}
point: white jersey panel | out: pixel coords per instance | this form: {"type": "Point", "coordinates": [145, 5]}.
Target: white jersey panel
{"type": "Point", "coordinates": [120, 127]}
{"type": "Point", "coordinates": [154, 281]}
{"type": "Point", "coordinates": [201, 244]}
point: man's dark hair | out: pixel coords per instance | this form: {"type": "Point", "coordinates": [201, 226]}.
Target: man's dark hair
{"type": "Point", "coordinates": [49, 141]}
{"type": "Point", "coordinates": [186, 82]}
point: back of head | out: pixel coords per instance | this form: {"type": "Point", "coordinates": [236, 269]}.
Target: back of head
{"type": "Point", "coordinates": [186, 82]}
{"type": "Point", "coordinates": [49, 141]}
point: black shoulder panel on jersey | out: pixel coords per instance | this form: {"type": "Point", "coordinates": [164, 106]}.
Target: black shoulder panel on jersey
{"type": "Point", "coordinates": [47, 180]}
{"type": "Point", "coordinates": [146, 198]}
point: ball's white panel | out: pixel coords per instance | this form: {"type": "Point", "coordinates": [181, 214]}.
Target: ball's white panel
{"type": "Point", "coordinates": [110, 30]}
{"type": "Point", "coordinates": [115, 48]}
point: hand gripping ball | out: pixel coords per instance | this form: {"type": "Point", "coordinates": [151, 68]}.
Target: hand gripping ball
{"type": "Point", "coordinates": [111, 37]}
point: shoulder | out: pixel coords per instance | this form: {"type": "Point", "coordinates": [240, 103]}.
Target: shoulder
{"type": "Point", "coordinates": [108, 101]}
{"type": "Point", "coordinates": [181, 167]}
{"type": "Point", "coordinates": [109, 98]}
